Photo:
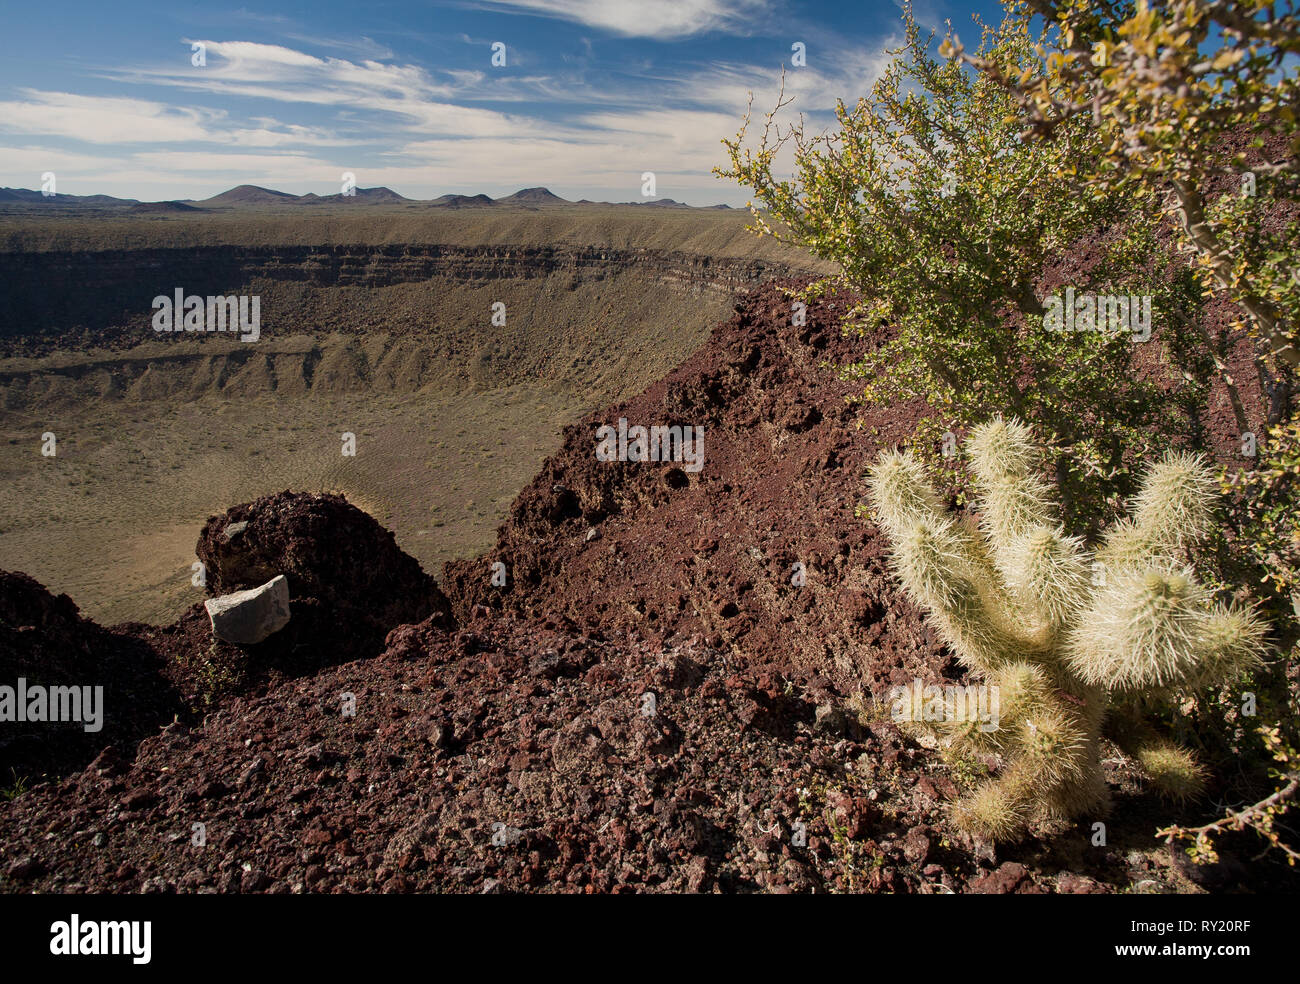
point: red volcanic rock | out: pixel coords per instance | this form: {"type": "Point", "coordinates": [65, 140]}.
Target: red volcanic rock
{"type": "Point", "coordinates": [1005, 879]}
{"type": "Point", "coordinates": [349, 586]}
{"type": "Point", "coordinates": [331, 552]}
{"type": "Point", "coordinates": [714, 555]}
{"type": "Point", "coordinates": [45, 642]}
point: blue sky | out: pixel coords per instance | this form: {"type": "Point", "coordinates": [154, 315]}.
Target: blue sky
{"type": "Point", "coordinates": [404, 94]}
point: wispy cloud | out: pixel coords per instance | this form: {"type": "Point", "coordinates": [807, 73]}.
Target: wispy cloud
{"type": "Point", "coordinates": [114, 120]}
{"type": "Point", "coordinates": [659, 19]}
{"type": "Point", "coordinates": [103, 120]}
{"type": "Point", "coordinates": [362, 47]}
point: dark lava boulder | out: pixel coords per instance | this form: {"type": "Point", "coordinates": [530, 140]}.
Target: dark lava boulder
{"type": "Point", "coordinates": [330, 551]}
{"type": "Point", "coordinates": [349, 586]}
{"type": "Point", "coordinates": [45, 643]}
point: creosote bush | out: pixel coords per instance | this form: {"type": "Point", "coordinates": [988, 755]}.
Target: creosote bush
{"type": "Point", "coordinates": [1060, 630]}
{"type": "Point", "coordinates": [1167, 88]}
{"type": "Point", "coordinates": [941, 222]}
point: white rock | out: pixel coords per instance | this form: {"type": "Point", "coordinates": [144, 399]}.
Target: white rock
{"type": "Point", "coordinates": [248, 617]}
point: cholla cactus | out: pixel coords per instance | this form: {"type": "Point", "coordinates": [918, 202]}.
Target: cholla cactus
{"type": "Point", "coordinates": [1057, 629]}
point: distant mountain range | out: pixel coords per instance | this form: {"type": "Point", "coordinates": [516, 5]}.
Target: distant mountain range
{"type": "Point", "coordinates": [657, 203]}
{"type": "Point", "coordinates": [251, 196]}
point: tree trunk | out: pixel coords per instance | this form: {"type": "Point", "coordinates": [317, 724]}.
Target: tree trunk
{"type": "Point", "coordinates": [1191, 210]}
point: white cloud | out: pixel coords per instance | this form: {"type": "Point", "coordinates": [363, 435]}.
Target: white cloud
{"type": "Point", "coordinates": [99, 119]}
{"type": "Point", "coordinates": [659, 19]}
{"type": "Point", "coordinates": [364, 47]}
{"type": "Point", "coordinates": [114, 120]}
{"type": "Point", "coordinates": [252, 62]}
